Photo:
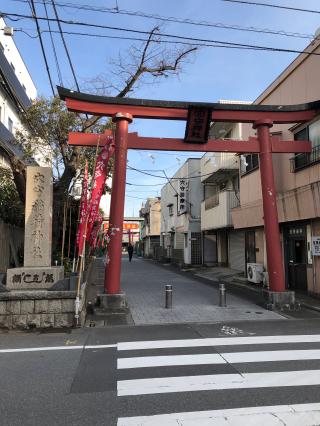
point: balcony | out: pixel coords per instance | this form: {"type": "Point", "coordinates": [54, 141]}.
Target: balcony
{"type": "Point", "coordinates": [300, 161]}
{"type": "Point", "coordinates": [211, 202]}
{"type": "Point", "coordinates": [215, 167]}
{"type": "Point", "coordinates": [216, 210]}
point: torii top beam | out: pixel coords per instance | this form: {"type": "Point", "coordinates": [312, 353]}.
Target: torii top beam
{"type": "Point", "coordinates": [172, 110]}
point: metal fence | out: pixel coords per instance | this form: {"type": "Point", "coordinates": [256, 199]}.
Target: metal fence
{"type": "Point", "coordinates": [11, 246]}
{"type": "Point", "coordinates": [300, 161]}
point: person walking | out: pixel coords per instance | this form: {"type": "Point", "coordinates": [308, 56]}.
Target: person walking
{"type": "Point", "coordinates": [130, 251]}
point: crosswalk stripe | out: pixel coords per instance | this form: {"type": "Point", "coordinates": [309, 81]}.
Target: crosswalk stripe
{"type": "Point", "coordinates": [218, 382]}
{"type": "Point", "coordinates": [218, 341]}
{"type": "Point", "coordinates": [275, 415]}
{"type": "Point", "coordinates": [160, 361]}
{"type": "Point", "coordinates": [223, 358]}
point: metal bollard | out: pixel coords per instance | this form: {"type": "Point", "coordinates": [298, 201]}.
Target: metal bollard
{"type": "Point", "coordinates": [168, 296]}
{"type": "Point", "coordinates": [222, 296]}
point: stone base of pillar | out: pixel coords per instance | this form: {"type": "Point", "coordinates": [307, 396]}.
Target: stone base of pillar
{"type": "Point", "coordinates": [280, 300]}
{"type": "Point", "coordinates": [112, 303]}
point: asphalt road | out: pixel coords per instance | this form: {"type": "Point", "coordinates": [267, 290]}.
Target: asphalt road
{"type": "Point", "coordinates": [191, 373]}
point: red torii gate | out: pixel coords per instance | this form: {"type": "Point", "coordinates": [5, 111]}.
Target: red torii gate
{"type": "Point", "coordinates": [262, 117]}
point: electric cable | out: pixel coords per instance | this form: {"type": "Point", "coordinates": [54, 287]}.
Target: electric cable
{"type": "Point", "coordinates": [115, 11]}
{"type": "Point", "coordinates": [34, 17]}
{"type": "Point", "coordinates": [276, 6]}
{"type": "Point", "coordinates": [166, 35]}
{"type": "Point", "coordinates": [65, 45]}
{"type": "Point", "coordinates": [53, 46]}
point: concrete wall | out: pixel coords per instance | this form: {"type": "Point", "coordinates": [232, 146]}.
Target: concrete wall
{"type": "Point", "coordinates": [299, 83]}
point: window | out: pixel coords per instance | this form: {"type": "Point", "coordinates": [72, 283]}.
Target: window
{"type": "Point", "coordinates": [24, 87]}
{"type": "Point", "coordinates": [249, 162]}
{"type": "Point", "coordinates": [1, 47]}
{"type": "Point", "coordinates": [12, 66]}
{"type": "Point", "coordinates": [170, 206]}
{"type": "Point", "coordinates": [312, 133]}
{"type": "Point", "coordinates": [10, 125]}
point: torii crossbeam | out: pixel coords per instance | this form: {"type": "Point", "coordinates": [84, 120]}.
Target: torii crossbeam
{"type": "Point", "coordinates": [262, 117]}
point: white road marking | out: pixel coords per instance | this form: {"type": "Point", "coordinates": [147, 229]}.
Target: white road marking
{"type": "Point", "coordinates": [100, 346]}
{"type": "Point", "coordinates": [219, 341]}
{"type": "Point", "coordinates": [217, 382]}
{"type": "Point", "coordinates": [223, 358]}
{"type": "Point", "coordinates": [55, 348]}
{"type": "Point", "coordinates": [159, 361]}
{"type": "Point", "coordinates": [40, 349]}
{"type": "Point", "coordinates": [266, 356]}
{"type": "Point", "coordinates": [297, 414]}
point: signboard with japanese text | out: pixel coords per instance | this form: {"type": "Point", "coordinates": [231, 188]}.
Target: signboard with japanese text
{"type": "Point", "coordinates": [126, 226]}
{"type": "Point", "coordinates": [316, 246]}
{"type": "Point", "coordinates": [182, 196]}
{"type": "Point", "coordinates": [198, 124]}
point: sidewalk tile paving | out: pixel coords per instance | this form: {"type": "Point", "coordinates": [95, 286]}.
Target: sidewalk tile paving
{"type": "Point", "coordinates": [144, 283]}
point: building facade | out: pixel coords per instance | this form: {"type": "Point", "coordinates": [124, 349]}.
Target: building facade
{"type": "Point", "coordinates": [17, 91]}
{"type": "Point", "coordinates": [296, 177]}
{"type": "Point", "coordinates": [180, 215]}
{"type": "Point", "coordinates": [150, 227]}
{"type": "Point", "coordinates": [222, 244]}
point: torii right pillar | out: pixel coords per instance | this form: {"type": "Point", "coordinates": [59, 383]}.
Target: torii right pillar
{"type": "Point", "coordinates": [277, 295]}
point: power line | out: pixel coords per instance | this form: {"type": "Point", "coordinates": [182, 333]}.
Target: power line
{"type": "Point", "coordinates": [276, 6]}
{"type": "Point", "coordinates": [173, 19]}
{"type": "Point", "coordinates": [34, 16]}
{"type": "Point", "coordinates": [65, 45]}
{"type": "Point", "coordinates": [53, 47]}
{"type": "Point", "coordinates": [162, 177]}
{"type": "Point", "coordinates": [142, 39]}
{"type": "Point", "coordinates": [137, 184]}
{"type": "Point", "coordinates": [191, 40]}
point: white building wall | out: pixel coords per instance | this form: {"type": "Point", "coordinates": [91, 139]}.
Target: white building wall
{"type": "Point", "coordinates": [187, 222]}
{"type": "Point", "coordinates": [13, 56]}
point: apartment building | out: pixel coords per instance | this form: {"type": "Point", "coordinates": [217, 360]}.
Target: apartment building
{"type": "Point", "coordinates": [17, 91]}
{"type": "Point", "coordinates": [222, 244]}
{"type": "Point", "coordinates": [296, 177]}
{"type": "Point", "coordinates": [150, 227]}
{"type": "Point", "coordinates": [180, 215]}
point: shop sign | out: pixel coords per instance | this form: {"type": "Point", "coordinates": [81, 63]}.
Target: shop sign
{"type": "Point", "coordinates": [316, 246]}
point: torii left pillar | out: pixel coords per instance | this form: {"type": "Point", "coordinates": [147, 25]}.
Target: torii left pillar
{"type": "Point", "coordinates": [114, 298]}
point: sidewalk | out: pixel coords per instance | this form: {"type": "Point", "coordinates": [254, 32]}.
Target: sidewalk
{"type": "Point", "coordinates": [144, 282]}
{"type": "Point", "coordinates": [235, 280]}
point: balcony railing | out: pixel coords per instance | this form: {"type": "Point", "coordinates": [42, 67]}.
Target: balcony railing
{"type": "Point", "coordinates": [212, 201]}
{"type": "Point", "coordinates": [300, 161]}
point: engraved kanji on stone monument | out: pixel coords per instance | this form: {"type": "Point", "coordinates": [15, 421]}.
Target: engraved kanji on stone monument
{"type": "Point", "coordinates": [38, 225]}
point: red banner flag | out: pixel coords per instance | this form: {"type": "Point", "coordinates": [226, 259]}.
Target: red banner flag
{"type": "Point", "coordinates": [95, 232]}
{"type": "Point", "coordinates": [83, 211]}
{"type": "Point", "coordinates": [99, 179]}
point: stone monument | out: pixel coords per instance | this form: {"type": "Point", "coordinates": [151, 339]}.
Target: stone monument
{"type": "Point", "coordinates": [37, 272]}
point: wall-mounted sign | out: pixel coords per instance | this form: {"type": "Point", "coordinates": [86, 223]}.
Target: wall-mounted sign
{"type": "Point", "coordinates": [182, 196]}
{"type": "Point", "coordinates": [198, 124]}
{"type": "Point", "coordinates": [126, 226]}
{"type": "Point", "coordinates": [316, 246]}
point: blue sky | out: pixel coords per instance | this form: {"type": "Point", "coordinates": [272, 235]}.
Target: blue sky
{"type": "Point", "coordinates": [209, 75]}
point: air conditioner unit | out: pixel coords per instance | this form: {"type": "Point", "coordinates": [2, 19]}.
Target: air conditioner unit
{"type": "Point", "coordinates": [254, 272]}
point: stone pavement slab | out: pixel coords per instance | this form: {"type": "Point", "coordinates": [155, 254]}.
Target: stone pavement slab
{"type": "Point", "coordinates": [193, 301]}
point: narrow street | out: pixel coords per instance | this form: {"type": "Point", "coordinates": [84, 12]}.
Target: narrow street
{"type": "Point", "coordinates": [196, 374]}
{"type": "Point", "coordinates": [196, 364]}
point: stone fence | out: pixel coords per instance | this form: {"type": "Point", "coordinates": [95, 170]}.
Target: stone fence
{"type": "Point", "coordinates": [40, 309]}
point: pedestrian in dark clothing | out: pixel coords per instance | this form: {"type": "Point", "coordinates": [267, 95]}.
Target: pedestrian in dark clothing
{"type": "Point", "coordinates": [130, 252]}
